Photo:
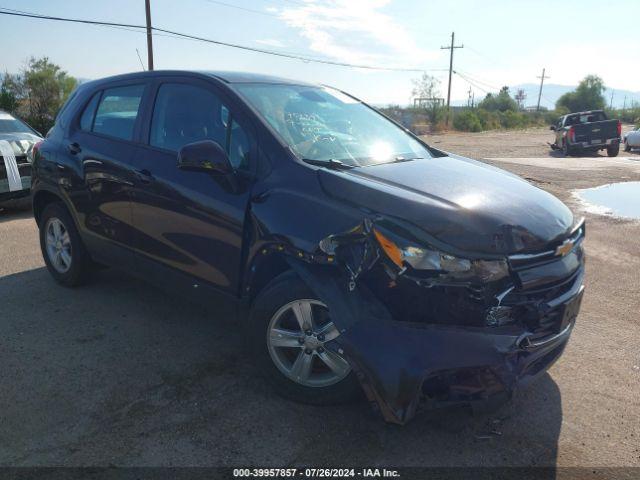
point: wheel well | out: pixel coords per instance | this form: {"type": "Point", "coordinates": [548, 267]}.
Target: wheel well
{"type": "Point", "coordinates": [40, 202]}
{"type": "Point", "coordinates": [265, 269]}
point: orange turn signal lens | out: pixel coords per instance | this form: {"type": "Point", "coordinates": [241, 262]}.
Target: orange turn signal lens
{"type": "Point", "coordinates": [390, 248]}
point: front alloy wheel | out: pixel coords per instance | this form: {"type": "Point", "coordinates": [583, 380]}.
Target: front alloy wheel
{"type": "Point", "coordinates": [289, 330]}
{"type": "Point", "coordinates": [296, 336]}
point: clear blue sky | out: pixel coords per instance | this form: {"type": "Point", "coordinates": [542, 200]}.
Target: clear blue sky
{"type": "Point", "coordinates": [506, 42]}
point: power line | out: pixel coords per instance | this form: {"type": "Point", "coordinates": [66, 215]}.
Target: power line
{"type": "Point", "coordinates": [267, 14]}
{"type": "Point", "coordinates": [471, 82]}
{"type": "Point", "coordinates": [217, 42]}
{"type": "Point", "coordinates": [485, 57]}
{"type": "Point", "coordinates": [477, 80]}
{"type": "Point", "coordinates": [72, 20]}
{"type": "Point", "coordinates": [295, 2]}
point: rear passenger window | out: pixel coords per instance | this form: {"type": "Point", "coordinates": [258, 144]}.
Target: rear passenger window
{"type": "Point", "coordinates": [86, 121]}
{"type": "Point", "coordinates": [185, 114]}
{"type": "Point", "coordinates": [117, 112]}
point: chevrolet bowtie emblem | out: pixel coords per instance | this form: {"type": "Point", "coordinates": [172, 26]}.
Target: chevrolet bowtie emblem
{"type": "Point", "coordinates": [565, 248]}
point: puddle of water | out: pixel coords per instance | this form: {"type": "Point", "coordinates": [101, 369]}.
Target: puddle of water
{"type": "Point", "coordinates": [617, 199]}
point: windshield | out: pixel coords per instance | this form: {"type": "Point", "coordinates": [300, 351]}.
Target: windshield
{"type": "Point", "coordinates": [323, 124]}
{"type": "Point", "coordinates": [10, 124]}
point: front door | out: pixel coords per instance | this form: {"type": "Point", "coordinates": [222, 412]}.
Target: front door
{"type": "Point", "coordinates": [191, 222]}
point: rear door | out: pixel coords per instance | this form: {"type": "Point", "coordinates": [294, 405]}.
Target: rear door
{"type": "Point", "coordinates": [191, 223]}
{"type": "Point", "coordinates": [103, 144]}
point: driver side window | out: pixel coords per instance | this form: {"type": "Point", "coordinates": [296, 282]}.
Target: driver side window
{"type": "Point", "coordinates": [184, 114]}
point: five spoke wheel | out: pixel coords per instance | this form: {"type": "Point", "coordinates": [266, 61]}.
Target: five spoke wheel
{"type": "Point", "coordinates": [58, 244]}
{"type": "Point", "coordinates": [296, 337]}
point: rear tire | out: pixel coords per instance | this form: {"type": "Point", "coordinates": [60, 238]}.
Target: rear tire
{"type": "Point", "coordinates": [62, 249]}
{"type": "Point", "coordinates": [613, 150]}
{"type": "Point", "coordinates": [627, 147]}
{"type": "Point", "coordinates": [319, 384]}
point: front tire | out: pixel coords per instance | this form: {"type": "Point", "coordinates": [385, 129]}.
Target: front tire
{"type": "Point", "coordinates": [62, 249]}
{"type": "Point", "coordinates": [288, 327]}
{"type": "Point", "coordinates": [627, 147]}
{"type": "Point", "coordinates": [613, 150]}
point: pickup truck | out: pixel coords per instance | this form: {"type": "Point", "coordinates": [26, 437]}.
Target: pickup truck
{"type": "Point", "coordinates": [587, 132]}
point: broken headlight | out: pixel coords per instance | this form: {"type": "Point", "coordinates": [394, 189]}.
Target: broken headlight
{"type": "Point", "coordinates": [424, 258]}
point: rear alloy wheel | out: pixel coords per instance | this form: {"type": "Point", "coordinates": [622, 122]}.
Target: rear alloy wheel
{"type": "Point", "coordinates": [58, 244]}
{"type": "Point", "coordinates": [289, 329]}
{"type": "Point", "coordinates": [62, 249]}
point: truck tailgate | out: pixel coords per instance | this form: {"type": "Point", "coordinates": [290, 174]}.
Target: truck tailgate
{"type": "Point", "coordinates": [596, 132]}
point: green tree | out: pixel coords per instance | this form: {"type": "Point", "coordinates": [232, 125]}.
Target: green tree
{"type": "Point", "coordinates": [10, 93]}
{"type": "Point", "coordinates": [501, 102]}
{"type": "Point", "coordinates": [588, 96]}
{"type": "Point", "coordinates": [47, 87]}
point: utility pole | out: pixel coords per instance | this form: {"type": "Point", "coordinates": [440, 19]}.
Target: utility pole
{"type": "Point", "coordinates": [452, 48]}
{"type": "Point", "coordinates": [147, 4]}
{"type": "Point", "coordinates": [540, 92]}
{"type": "Point", "coordinates": [624, 105]}
{"type": "Point", "coordinates": [469, 99]}
{"type": "Point", "coordinates": [611, 103]}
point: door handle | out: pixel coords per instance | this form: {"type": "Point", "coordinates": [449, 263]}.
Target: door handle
{"type": "Point", "coordinates": [144, 175]}
{"type": "Point", "coordinates": [74, 148]}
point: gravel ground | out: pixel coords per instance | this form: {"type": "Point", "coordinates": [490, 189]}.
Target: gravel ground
{"type": "Point", "coordinates": [119, 373]}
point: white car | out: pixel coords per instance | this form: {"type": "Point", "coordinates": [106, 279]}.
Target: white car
{"type": "Point", "coordinates": [632, 140]}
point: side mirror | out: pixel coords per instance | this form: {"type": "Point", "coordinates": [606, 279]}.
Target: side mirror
{"type": "Point", "coordinates": [204, 156]}
{"type": "Point", "coordinates": [552, 127]}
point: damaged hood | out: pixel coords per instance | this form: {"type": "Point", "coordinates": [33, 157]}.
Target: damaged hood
{"type": "Point", "coordinates": [468, 205]}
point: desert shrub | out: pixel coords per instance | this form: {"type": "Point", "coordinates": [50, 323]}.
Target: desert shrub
{"type": "Point", "coordinates": [467, 121]}
{"type": "Point", "coordinates": [488, 120]}
{"type": "Point", "coordinates": [511, 119]}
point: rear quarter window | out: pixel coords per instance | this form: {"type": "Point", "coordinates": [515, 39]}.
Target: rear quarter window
{"type": "Point", "coordinates": [117, 112]}
{"type": "Point", "coordinates": [86, 120]}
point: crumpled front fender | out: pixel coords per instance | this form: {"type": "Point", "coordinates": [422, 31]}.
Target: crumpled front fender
{"type": "Point", "coordinates": [392, 359]}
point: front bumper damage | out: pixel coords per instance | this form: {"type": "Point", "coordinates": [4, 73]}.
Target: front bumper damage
{"type": "Point", "coordinates": [413, 342]}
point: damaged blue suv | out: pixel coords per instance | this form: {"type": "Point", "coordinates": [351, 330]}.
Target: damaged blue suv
{"type": "Point", "coordinates": [357, 257]}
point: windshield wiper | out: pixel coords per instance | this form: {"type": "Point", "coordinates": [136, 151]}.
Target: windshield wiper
{"type": "Point", "coordinates": [330, 163]}
{"type": "Point", "coordinates": [395, 160]}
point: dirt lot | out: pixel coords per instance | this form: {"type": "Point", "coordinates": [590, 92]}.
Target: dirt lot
{"type": "Point", "coordinates": [119, 373]}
